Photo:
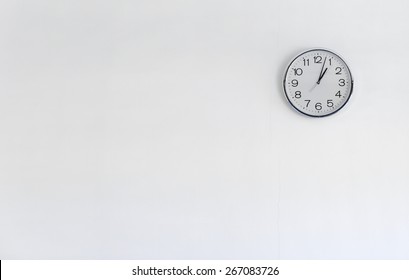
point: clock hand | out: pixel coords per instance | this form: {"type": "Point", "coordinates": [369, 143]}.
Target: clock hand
{"type": "Point", "coordinates": [319, 80]}
{"type": "Point", "coordinates": [313, 87]}
{"type": "Point", "coordinates": [322, 68]}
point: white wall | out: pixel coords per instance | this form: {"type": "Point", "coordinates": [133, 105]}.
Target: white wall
{"type": "Point", "coordinates": [158, 129]}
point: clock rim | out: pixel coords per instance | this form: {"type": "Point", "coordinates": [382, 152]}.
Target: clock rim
{"type": "Point", "coordinates": [312, 50]}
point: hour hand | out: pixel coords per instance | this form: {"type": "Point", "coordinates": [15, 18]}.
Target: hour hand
{"type": "Point", "coordinates": [322, 75]}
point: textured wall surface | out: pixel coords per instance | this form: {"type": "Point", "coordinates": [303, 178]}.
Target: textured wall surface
{"type": "Point", "coordinates": [159, 130]}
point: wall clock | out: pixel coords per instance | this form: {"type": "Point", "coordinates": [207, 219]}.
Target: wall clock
{"type": "Point", "coordinates": [318, 83]}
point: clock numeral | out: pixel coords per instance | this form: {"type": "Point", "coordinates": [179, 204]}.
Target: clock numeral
{"type": "Point", "coordinates": [308, 102]}
{"type": "Point", "coordinates": [318, 106]}
{"type": "Point", "coordinates": [338, 71]}
{"type": "Point", "coordinates": [338, 94]}
{"type": "Point", "coordinates": [298, 94]}
{"type": "Point", "coordinates": [318, 59]}
{"type": "Point", "coordinates": [341, 82]}
{"type": "Point", "coordinates": [330, 61]}
{"type": "Point", "coordinates": [298, 71]}
{"type": "Point", "coordinates": [294, 83]}
{"type": "Point", "coordinates": [330, 103]}
{"type": "Point", "coordinates": [306, 61]}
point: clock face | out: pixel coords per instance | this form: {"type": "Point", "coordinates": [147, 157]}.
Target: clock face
{"type": "Point", "coordinates": [318, 83]}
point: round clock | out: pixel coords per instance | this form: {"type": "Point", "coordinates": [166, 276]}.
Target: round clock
{"type": "Point", "coordinates": [318, 83]}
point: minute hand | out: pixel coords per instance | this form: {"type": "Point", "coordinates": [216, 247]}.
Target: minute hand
{"type": "Point", "coordinates": [322, 73]}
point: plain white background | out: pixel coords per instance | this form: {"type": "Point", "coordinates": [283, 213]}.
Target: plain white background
{"type": "Point", "coordinates": [159, 130]}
